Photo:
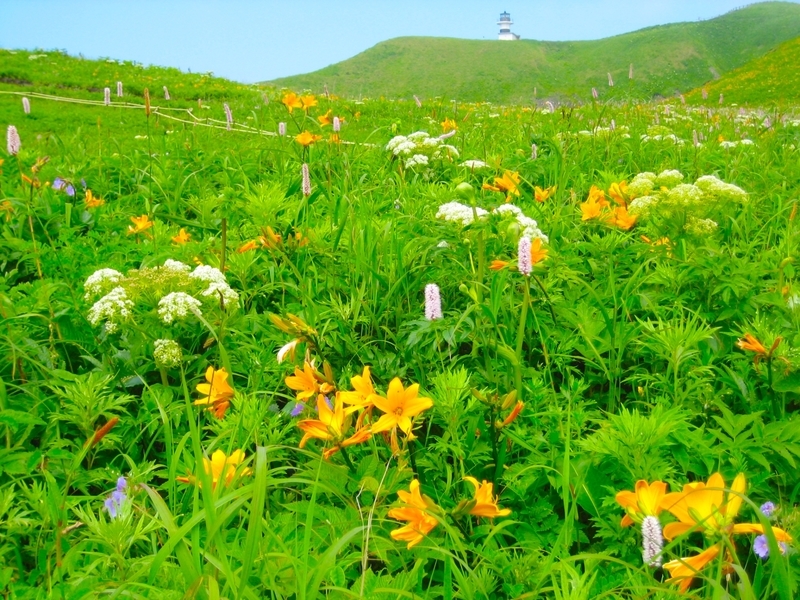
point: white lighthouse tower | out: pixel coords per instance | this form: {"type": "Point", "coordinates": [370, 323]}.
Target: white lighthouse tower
{"type": "Point", "coordinates": [505, 24]}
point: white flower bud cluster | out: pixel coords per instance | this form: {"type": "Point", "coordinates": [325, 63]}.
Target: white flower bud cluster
{"type": "Point", "coordinates": [208, 274]}
{"type": "Point", "coordinates": [112, 308]}
{"type": "Point", "coordinates": [685, 194]}
{"type": "Point", "coordinates": [668, 178]}
{"type": "Point", "coordinates": [459, 213]}
{"type": "Point", "coordinates": [716, 187]}
{"type": "Point", "coordinates": [700, 226]}
{"type": "Point", "coordinates": [178, 305]}
{"type": "Point", "coordinates": [167, 354]}
{"type": "Point", "coordinates": [473, 164]}
{"type": "Point", "coordinates": [530, 228]}
{"type": "Point", "coordinates": [100, 280]}
{"type": "Point", "coordinates": [420, 144]}
{"type": "Point", "coordinates": [735, 143]}
{"type": "Point", "coordinates": [642, 204]}
{"type": "Point", "coordinates": [417, 160]}
{"type": "Point", "coordinates": [642, 184]}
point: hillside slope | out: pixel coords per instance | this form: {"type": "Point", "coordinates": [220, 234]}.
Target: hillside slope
{"type": "Point", "coordinates": [773, 77]}
{"type": "Point", "coordinates": [666, 59]}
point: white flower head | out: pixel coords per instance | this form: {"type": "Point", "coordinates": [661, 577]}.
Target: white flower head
{"type": "Point", "coordinates": [113, 307]}
{"type": "Point", "coordinates": [222, 291]}
{"type": "Point", "coordinates": [177, 266]}
{"type": "Point", "coordinates": [208, 274]}
{"type": "Point", "coordinates": [669, 178]}
{"type": "Point", "coordinates": [100, 279]}
{"type": "Point", "coordinates": [178, 305]}
{"type": "Point", "coordinates": [416, 160]}
{"type": "Point", "coordinates": [459, 213]}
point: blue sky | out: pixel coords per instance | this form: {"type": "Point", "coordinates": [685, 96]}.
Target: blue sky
{"type": "Point", "coordinates": [257, 40]}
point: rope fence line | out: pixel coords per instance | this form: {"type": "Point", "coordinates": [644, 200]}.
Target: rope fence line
{"type": "Point", "coordinates": [201, 121]}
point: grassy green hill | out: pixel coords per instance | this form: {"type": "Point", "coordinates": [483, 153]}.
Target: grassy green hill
{"type": "Point", "coordinates": [773, 77]}
{"type": "Point", "coordinates": [666, 59]}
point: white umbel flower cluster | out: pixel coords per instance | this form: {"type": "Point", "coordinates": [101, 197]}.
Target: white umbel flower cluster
{"type": "Point", "coordinates": [473, 164]}
{"type": "Point", "coordinates": [416, 161]}
{"type": "Point", "coordinates": [420, 144]}
{"type": "Point", "coordinates": [459, 213]}
{"type": "Point", "coordinates": [167, 354]}
{"type": "Point", "coordinates": [177, 266]}
{"type": "Point", "coordinates": [715, 186]}
{"type": "Point", "coordinates": [111, 308]}
{"type": "Point", "coordinates": [669, 178]}
{"type": "Point", "coordinates": [100, 280]}
{"type": "Point", "coordinates": [178, 305]}
{"type": "Point", "coordinates": [218, 287]}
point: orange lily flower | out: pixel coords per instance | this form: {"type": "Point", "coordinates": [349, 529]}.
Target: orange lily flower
{"type": "Point", "coordinates": [415, 510]}
{"type": "Point", "coordinates": [217, 392]}
{"type": "Point", "coordinates": [645, 501]}
{"type": "Point", "coordinates": [619, 192]}
{"type": "Point", "coordinates": [512, 416]}
{"type": "Point", "coordinates": [221, 468]}
{"type": "Point", "coordinates": [251, 245]}
{"type": "Point", "coordinates": [541, 195]}
{"type": "Point", "coordinates": [621, 218]}
{"type": "Point", "coordinates": [306, 382]}
{"type": "Point", "coordinates": [485, 502]}
{"type": "Point", "coordinates": [92, 201]}
{"type": "Point", "coordinates": [325, 119]}
{"type": "Point", "coordinates": [499, 265]}
{"type": "Point", "coordinates": [683, 570]}
{"type": "Point", "coordinates": [292, 101]}
{"type": "Point", "coordinates": [399, 407]}
{"type": "Point", "coordinates": [363, 390]}
{"type": "Point", "coordinates": [307, 138]}
{"type": "Point", "coordinates": [508, 183]}
{"type": "Point", "coordinates": [182, 237]}
{"type": "Point", "coordinates": [537, 254]}
{"type": "Point", "coordinates": [140, 224]}
{"type": "Point", "coordinates": [331, 425]}
{"type": "Point", "coordinates": [711, 508]}
{"type": "Point", "coordinates": [449, 125]}
{"type": "Point", "coordinates": [308, 101]}
{"type": "Point", "coordinates": [749, 342]}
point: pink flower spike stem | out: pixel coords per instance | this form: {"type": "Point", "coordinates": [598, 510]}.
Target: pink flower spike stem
{"type": "Point", "coordinates": [281, 128]}
{"type": "Point", "coordinates": [119, 89]}
{"type": "Point", "coordinates": [228, 115]}
{"type": "Point", "coordinates": [337, 124]}
{"type": "Point", "coordinates": [107, 96]}
{"type": "Point", "coordinates": [26, 105]}
{"type": "Point", "coordinates": [166, 93]}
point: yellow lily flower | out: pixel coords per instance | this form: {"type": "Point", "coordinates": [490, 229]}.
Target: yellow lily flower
{"type": "Point", "coordinates": [140, 224]}
{"type": "Point", "coordinates": [711, 508]}
{"type": "Point", "coordinates": [541, 195]}
{"type": "Point", "coordinates": [92, 201]}
{"type": "Point", "coordinates": [399, 407]}
{"type": "Point", "coordinates": [218, 392]}
{"type": "Point", "coordinates": [449, 125]}
{"type": "Point", "coordinates": [182, 237]}
{"type": "Point", "coordinates": [221, 468]}
{"type": "Point", "coordinates": [308, 101]}
{"type": "Point", "coordinates": [331, 425]}
{"type": "Point", "coordinates": [508, 183]}
{"type": "Point", "coordinates": [645, 501]}
{"type": "Point", "coordinates": [325, 119]}
{"type": "Point", "coordinates": [485, 502]}
{"type": "Point", "coordinates": [292, 101]}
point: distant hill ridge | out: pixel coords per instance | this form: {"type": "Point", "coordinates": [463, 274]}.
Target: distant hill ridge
{"type": "Point", "coordinates": [666, 59]}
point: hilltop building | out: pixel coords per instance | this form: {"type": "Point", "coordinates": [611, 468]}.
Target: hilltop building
{"type": "Point", "coordinates": [505, 24]}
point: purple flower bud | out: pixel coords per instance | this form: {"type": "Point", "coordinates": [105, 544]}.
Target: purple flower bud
{"type": "Point", "coordinates": [13, 143]}
{"type": "Point", "coordinates": [26, 105]}
{"type": "Point", "coordinates": [768, 509]}
{"type": "Point", "coordinates": [297, 409]}
{"type": "Point", "coordinates": [228, 115]}
{"type": "Point", "coordinates": [119, 89]}
{"type": "Point", "coordinates": [337, 124]}
{"type": "Point", "coordinates": [59, 184]}
{"type": "Point", "coordinates": [433, 302]}
{"type": "Point", "coordinates": [281, 128]}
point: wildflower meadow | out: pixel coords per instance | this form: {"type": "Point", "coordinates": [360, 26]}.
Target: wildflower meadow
{"type": "Point", "coordinates": [264, 343]}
